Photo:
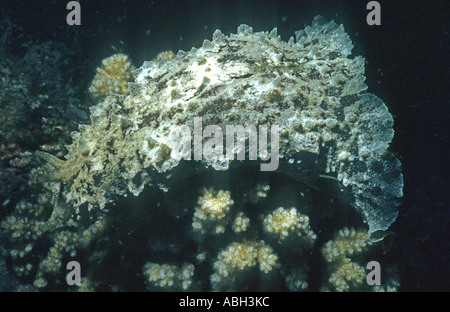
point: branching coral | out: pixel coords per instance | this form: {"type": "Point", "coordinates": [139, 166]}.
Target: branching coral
{"type": "Point", "coordinates": [346, 243]}
{"type": "Point", "coordinates": [63, 243]}
{"type": "Point", "coordinates": [113, 76]}
{"type": "Point", "coordinates": [211, 211]}
{"type": "Point", "coordinates": [240, 223]}
{"type": "Point", "coordinates": [241, 255]}
{"type": "Point", "coordinates": [169, 277]}
{"type": "Point", "coordinates": [284, 222]}
{"type": "Point", "coordinates": [238, 257]}
{"type": "Point", "coordinates": [165, 56]}
{"type": "Point", "coordinates": [348, 275]}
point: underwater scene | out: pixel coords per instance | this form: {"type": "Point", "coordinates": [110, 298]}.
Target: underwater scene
{"type": "Point", "coordinates": [224, 146]}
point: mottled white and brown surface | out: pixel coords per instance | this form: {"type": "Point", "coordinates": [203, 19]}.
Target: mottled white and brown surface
{"type": "Point", "coordinates": [334, 136]}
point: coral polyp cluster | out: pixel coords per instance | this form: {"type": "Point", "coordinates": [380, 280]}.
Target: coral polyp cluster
{"type": "Point", "coordinates": [232, 262]}
{"type": "Point", "coordinates": [284, 222]}
{"type": "Point", "coordinates": [212, 210]}
{"type": "Point", "coordinates": [169, 277]}
{"type": "Point", "coordinates": [113, 76]}
{"type": "Point", "coordinates": [165, 56]}
{"type": "Point", "coordinates": [240, 223]}
{"type": "Point", "coordinates": [348, 274]}
{"type": "Point", "coordinates": [347, 242]}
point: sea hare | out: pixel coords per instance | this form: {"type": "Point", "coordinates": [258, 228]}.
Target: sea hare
{"type": "Point", "coordinates": [333, 135]}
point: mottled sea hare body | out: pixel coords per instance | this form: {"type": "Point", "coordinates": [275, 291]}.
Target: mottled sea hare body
{"type": "Point", "coordinates": [329, 126]}
{"type": "Point", "coordinates": [333, 135]}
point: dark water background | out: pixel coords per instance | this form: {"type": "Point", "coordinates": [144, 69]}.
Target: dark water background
{"type": "Point", "coordinates": [408, 67]}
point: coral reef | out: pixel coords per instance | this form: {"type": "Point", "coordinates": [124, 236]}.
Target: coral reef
{"type": "Point", "coordinates": [212, 211]}
{"type": "Point", "coordinates": [39, 106]}
{"type": "Point", "coordinates": [217, 223]}
{"type": "Point", "coordinates": [345, 272]}
{"type": "Point", "coordinates": [165, 56]}
{"type": "Point", "coordinates": [347, 242]}
{"type": "Point", "coordinates": [169, 277]}
{"type": "Point", "coordinates": [240, 223]}
{"type": "Point", "coordinates": [283, 222]}
{"type": "Point", "coordinates": [348, 275]}
{"type": "Point", "coordinates": [113, 76]}
{"type": "Point", "coordinates": [239, 257]}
